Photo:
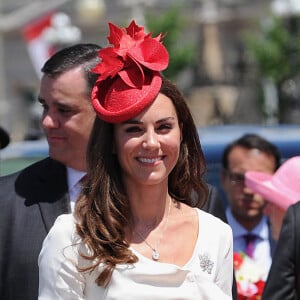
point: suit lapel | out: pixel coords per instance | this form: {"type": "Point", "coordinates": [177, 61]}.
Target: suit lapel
{"type": "Point", "coordinates": [50, 211]}
{"type": "Point", "coordinates": [54, 190]}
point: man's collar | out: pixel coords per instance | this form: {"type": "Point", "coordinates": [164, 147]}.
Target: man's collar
{"type": "Point", "coordinates": [74, 176]}
{"type": "Point", "coordinates": [261, 229]}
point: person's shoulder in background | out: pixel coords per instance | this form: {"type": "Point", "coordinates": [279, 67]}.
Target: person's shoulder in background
{"type": "Point", "coordinates": [4, 138]}
{"type": "Point", "coordinates": [214, 204]}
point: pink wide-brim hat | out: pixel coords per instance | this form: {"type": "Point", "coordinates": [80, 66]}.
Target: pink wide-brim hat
{"type": "Point", "coordinates": [282, 188]}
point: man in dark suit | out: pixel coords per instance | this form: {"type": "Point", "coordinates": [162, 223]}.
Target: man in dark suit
{"type": "Point", "coordinates": [284, 278]}
{"type": "Point", "coordinates": [31, 199]}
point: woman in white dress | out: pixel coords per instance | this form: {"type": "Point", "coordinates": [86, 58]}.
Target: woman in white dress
{"type": "Point", "coordinates": [135, 234]}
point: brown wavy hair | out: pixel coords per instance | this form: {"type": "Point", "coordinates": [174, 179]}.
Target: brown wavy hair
{"type": "Point", "coordinates": [103, 211]}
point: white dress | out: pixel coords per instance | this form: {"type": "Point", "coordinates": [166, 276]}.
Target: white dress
{"type": "Point", "coordinates": [207, 275]}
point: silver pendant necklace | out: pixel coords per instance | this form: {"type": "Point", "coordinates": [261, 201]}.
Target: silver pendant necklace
{"type": "Point", "coordinates": [155, 253]}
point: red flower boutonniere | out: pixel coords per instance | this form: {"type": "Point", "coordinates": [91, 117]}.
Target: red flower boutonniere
{"type": "Point", "coordinates": [250, 277]}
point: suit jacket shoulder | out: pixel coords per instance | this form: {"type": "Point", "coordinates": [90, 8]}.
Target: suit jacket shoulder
{"type": "Point", "coordinates": [30, 201]}
{"type": "Point", "coordinates": [33, 175]}
{"type": "Point", "coordinates": [284, 273]}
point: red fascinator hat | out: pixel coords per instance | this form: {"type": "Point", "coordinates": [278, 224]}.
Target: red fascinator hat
{"type": "Point", "coordinates": [129, 73]}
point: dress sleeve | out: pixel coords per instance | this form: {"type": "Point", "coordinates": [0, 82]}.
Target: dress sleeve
{"type": "Point", "coordinates": [224, 274]}
{"type": "Point", "coordinates": [281, 282]}
{"type": "Point", "coordinates": [58, 276]}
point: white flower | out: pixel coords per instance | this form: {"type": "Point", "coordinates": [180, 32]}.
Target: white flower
{"type": "Point", "coordinates": [250, 271]}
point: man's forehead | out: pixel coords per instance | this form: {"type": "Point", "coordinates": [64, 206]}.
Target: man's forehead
{"type": "Point", "coordinates": [252, 159]}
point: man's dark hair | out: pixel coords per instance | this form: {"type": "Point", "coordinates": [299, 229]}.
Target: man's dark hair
{"type": "Point", "coordinates": [85, 55]}
{"type": "Point", "coordinates": [252, 141]}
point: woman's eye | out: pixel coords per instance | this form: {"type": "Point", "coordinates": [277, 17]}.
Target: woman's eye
{"type": "Point", "coordinates": [133, 129]}
{"type": "Point", "coordinates": [165, 127]}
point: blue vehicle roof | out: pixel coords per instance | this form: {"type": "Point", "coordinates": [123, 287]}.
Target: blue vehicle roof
{"type": "Point", "coordinates": [215, 138]}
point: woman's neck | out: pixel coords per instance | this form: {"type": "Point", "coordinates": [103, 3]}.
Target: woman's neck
{"type": "Point", "coordinates": [148, 206]}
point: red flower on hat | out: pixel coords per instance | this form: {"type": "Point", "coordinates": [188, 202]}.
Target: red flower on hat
{"type": "Point", "coordinates": [132, 63]}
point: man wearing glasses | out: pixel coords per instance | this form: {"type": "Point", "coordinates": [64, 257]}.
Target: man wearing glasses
{"type": "Point", "coordinates": [251, 230]}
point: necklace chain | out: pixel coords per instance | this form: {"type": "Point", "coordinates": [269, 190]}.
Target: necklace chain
{"type": "Point", "coordinates": [155, 253]}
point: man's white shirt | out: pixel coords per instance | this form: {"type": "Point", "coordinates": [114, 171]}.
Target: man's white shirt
{"type": "Point", "coordinates": [262, 248]}
{"type": "Point", "coordinates": [74, 186]}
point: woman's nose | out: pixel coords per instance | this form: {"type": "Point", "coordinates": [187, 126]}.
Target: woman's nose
{"type": "Point", "coordinates": [151, 139]}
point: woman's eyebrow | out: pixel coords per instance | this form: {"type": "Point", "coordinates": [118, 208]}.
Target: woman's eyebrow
{"type": "Point", "coordinates": [133, 121]}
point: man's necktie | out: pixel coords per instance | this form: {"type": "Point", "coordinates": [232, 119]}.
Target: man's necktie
{"type": "Point", "coordinates": [250, 240]}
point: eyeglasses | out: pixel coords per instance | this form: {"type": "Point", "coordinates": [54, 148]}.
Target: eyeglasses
{"type": "Point", "coordinates": [236, 178]}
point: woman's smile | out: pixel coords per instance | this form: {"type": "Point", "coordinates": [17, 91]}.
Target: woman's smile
{"type": "Point", "coordinates": [148, 160]}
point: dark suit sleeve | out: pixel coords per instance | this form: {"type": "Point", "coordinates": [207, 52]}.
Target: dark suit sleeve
{"type": "Point", "coordinates": [281, 282]}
